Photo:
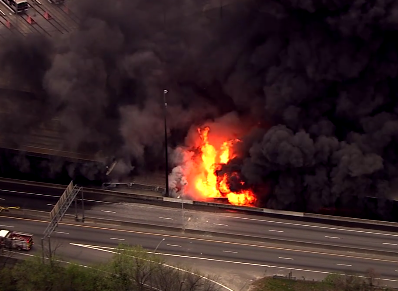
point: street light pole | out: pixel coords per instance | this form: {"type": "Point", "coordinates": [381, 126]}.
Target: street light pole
{"type": "Point", "coordinates": [154, 252]}
{"type": "Point", "coordinates": [167, 194]}
{"type": "Point", "coordinates": [182, 213]}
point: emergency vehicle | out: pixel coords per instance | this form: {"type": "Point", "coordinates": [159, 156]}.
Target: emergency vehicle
{"type": "Point", "coordinates": [16, 240]}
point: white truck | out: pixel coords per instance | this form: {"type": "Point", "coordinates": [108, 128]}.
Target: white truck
{"type": "Point", "coordinates": [17, 6]}
{"type": "Point", "coordinates": [16, 240]}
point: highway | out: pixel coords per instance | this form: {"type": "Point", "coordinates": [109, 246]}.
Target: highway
{"type": "Point", "coordinates": [258, 227]}
{"type": "Point", "coordinates": [74, 239]}
{"type": "Point", "coordinates": [237, 260]}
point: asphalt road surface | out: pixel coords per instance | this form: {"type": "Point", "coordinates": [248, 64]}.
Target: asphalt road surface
{"type": "Point", "coordinates": [44, 198]}
{"type": "Point", "coordinates": [76, 242]}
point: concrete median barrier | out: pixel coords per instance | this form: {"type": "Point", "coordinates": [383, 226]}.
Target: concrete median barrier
{"type": "Point", "coordinates": [352, 222]}
{"type": "Point", "coordinates": [228, 206]}
{"type": "Point", "coordinates": [40, 215]}
{"type": "Point", "coordinates": [177, 200]}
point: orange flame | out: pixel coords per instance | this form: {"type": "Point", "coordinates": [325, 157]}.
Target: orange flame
{"type": "Point", "coordinates": [206, 181]}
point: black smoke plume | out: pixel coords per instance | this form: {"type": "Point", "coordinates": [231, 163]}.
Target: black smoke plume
{"type": "Point", "coordinates": [318, 78]}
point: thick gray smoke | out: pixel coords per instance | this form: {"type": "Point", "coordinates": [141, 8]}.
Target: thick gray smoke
{"type": "Point", "coordinates": [318, 78]}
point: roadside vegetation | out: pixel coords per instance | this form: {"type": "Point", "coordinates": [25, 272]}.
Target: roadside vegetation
{"type": "Point", "coordinates": [130, 269]}
{"type": "Point", "coordinates": [333, 282]}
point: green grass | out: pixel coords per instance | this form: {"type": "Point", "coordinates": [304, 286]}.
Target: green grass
{"type": "Point", "coordinates": [278, 284]}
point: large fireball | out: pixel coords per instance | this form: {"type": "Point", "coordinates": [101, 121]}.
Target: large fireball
{"type": "Point", "coordinates": [200, 175]}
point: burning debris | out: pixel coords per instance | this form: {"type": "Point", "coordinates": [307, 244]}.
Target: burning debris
{"type": "Point", "coordinates": [198, 176]}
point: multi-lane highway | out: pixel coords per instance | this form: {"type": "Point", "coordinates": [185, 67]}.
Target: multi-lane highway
{"type": "Point", "coordinates": [43, 198]}
{"type": "Point", "coordinates": [74, 239]}
{"type": "Point", "coordinates": [209, 252]}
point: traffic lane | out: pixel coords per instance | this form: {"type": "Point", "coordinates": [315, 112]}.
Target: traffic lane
{"type": "Point", "coordinates": [328, 232]}
{"type": "Point", "coordinates": [234, 276]}
{"type": "Point", "coordinates": [213, 222]}
{"type": "Point", "coordinates": [230, 273]}
{"type": "Point", "coordinates": [37, 187]}
{"type": "Point", "coordinates": [256, 228]}
{"type": "Point", "coordinates": [37, 201]}
{"type": "Point", "coordinates": [61, 19]}
{"type": "Point", "coordinates": [238, 224]}
{"type": "Point", "coordinates": [375, 240]}
{"type": "Point", "coordinates": [247, 254]}
{"type": "Point", "coordinates": [210, 248]}
{"type": "Point", "coordinates": [145, 215]}
{"type": "Point", "coordinates": [54, 192]}
{"type": "Point", "coordinates": [252, 254]}
{"type": "Point", "coordinates": [4, 10]}
{"type": "Point", "coordinates": [23, 186]}
{"type": "Point", "coordinates": [9, 200]}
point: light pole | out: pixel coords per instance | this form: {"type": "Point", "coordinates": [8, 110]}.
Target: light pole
{"type": "Point", "coordinates": [182, 213]}
{"type": "Point", "coordinates": [167, 194]}
{"type": "Point", "coordinates": [154, 252]}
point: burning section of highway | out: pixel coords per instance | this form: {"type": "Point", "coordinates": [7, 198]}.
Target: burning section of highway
{"type": "Point", "coordinates": [197, 175]}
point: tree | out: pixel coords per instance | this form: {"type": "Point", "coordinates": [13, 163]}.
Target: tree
{"type": "Point", "coordinates": [351, 282]}
{"type": "Point", "coordinates": [80, 278]}
{"type": "Point", "coordinates": [7, 281]}
{"type": "Point", "coordinates": [130, 269]}
{"type": "Point", "coordinates": [133, 268]}
{"type": "Point", "coordinates": [33, 275]}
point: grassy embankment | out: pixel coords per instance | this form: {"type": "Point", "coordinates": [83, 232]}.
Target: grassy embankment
{"type": "Point", "coordinates": [331, 283]}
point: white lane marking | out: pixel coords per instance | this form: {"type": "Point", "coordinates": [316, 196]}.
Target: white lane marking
{"type": "Point", "coordinates": [108, 211]}
{"type": "Point", "coordinates": [98, 248]}
{"type": "Point", "coordinates": [61, 232]}
{"type": "Point", "coordinates": [52, 196]}
{"type": "Point", "coordinates": [313, 226]}
{"type": "Point", "coordinates": [220, 224]}
{"type": "Point", "coordinates": [167, 218]}
{"type": "Point", "coordinates": [275, 230]}
{"type": "Point", "coordinates": [49, 204]}
{"type": "Point", "coordinates": [6, 225]}
{"type": "Point", "coordinates": [111, 229]}
{"type": "Point", "coordinates": [2, 199]}
{"type": "Point", "coordinates": [232, 252]}
{"type": "Point", "coordinates": [117, 238]}
{"type": "Point", "coordinates": [332, 237]}
{"type": "Point", "coordinates": [109, 250]}
{"type": "Point", "coordinates": [170, 245]}
{"type": "Point", "coordinates": [390, 244]}
{"type": "Point", "coordinates": [283, 258]}
{"type": "Point", "coordinates": [345, 265]}
{"type": "Point", "coordinates": [229, 216]}
{"type": "Point", "coordinates": [177, 246]}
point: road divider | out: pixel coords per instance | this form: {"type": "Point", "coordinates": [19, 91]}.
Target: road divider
{"type": "Point", "coordinates": [98, 221]}
{"type": "Point", "coordinates": [177, 200]}
{"type": "Point", "coordinates": [291, 215]}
